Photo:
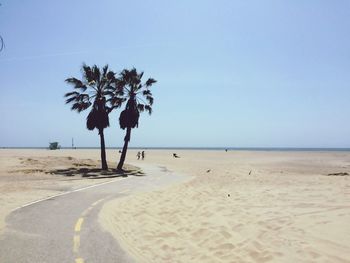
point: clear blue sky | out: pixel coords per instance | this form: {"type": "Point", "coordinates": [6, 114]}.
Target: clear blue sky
{"type": "Point", "coordinates": [230, 73]}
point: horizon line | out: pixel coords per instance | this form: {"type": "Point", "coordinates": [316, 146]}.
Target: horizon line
{"type": "Point", "coordinates": [186, 147]}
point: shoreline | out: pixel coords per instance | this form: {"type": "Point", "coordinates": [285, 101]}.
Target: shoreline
{"type": "Point", "coordinates": [231, 149]}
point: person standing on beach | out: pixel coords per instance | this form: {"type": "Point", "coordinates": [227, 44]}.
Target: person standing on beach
{"type": "Point", "coordinates": [143, 155]}
{"type": "Point", "coordinates": [138, 155]}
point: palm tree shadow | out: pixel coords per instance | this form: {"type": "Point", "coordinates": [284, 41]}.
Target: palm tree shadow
{"type": "Point", "coordinates": [96, 173]}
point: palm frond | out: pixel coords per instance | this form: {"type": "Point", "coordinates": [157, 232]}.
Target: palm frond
{"type": "Point", "coordinates": [96, 73]}
{"type": "Point", "coordinates": [149, 99]}
{"type": "Point", "coordinates": [83, 97]}
{"type": "Point", "coordinates": [80, 106]}
{"type": "Point", "coordinates": [108, 92]}
{"type": "Point", "coordinates": [150, 82]}
{"type": "Point", "coordinates": [69, 100]}
{"type": "Point", "coordinates": [77, 97]}
{"type": "Point", "coordinates": [88, 74]}
{"type": "Point", "coordinates": [133, 73]}
{"type": "Point", "coordinates": [148, 109]}
{"type": "Point", "coordinates": [110, 75]}
{"type": "Point", "coordinates": [77, 84]}
{"type": "Point", "coordinates": [141, 107]}
{"type": "Point", "coordinates": [74, 93]}
{"type": "Point", "coordinates": [109, 88]}
{"type": "Point", "coordinates": [116, 101]}
{"type": "Point", "coordinates": [146, 92]}
{"type": "Point", "coordinates": [114, 107]}
{"type": "Point", "coordinates": [104, 71]}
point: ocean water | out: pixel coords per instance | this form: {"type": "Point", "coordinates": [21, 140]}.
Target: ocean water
{"type": "Point", "coordinates": [208, 148]}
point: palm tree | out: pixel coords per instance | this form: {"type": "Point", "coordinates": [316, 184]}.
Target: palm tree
{"type": "Point", "coordinates": [92, 90]}
{"type": "Point", "coordinates": [138, 97]}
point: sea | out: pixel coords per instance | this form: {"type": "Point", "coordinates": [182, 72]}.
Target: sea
{"type": "Point", "coordinates": [207, 148]}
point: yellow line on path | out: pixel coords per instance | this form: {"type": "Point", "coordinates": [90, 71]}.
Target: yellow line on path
{"type": "Point", "coordinates": [78, 224]}
{"type": "Point", "coordinates": [79, 260]}
{"type": "Point", "coordinates": [76, 243]}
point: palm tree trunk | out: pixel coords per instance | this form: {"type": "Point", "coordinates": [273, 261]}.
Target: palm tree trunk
{"type": "Point", "coordinates": [103, 150]}
{"type": "Point", "coordinates": [125, 148]}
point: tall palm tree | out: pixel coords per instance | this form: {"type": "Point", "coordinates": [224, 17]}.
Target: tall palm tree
{"type": "Point", "coordinates": [138, 97]}
{"type": "Point", "coordinates": [92, 90]}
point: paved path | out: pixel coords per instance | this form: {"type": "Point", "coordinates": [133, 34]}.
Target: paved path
{"type": "Point", "coordinates": [66, 229]}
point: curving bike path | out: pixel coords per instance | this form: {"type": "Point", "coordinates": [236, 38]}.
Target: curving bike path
{"type": "Point", "coordinates": [65, 228]}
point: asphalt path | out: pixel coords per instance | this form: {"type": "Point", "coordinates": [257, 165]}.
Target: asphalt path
{"type": "Point", "coordinates": [65, 228]}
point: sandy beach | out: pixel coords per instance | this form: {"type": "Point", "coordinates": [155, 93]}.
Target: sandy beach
{"type": "Point", "coordinates": [237, 206]}
{"type": "Point", "coordinates": [240, 206]}
{"type": "Point", "coordinates": [27, 175]}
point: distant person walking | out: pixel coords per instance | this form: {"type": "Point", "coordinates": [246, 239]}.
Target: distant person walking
{"type": "Point", "coordinates": [143, 155]}
{"type": "Point", "coordinates": [138, 155]}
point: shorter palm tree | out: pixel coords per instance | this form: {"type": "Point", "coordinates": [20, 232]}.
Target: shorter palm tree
{"type": "Point", "coordinates": [138, 97]}
{"type": "Point", "coordinates": [93, 90]}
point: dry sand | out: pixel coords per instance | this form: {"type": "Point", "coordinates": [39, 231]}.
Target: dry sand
{"type": "Point", "coordinates": [29, 175]}
{"type": "Point", "coordinates": [240, 207]}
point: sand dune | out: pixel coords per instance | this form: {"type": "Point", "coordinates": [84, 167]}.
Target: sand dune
{"type": "Point", "coordinates": [286, 210]}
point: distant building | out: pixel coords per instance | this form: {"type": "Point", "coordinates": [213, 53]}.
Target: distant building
{"type": "Point", "coordinates": [54, 146]}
